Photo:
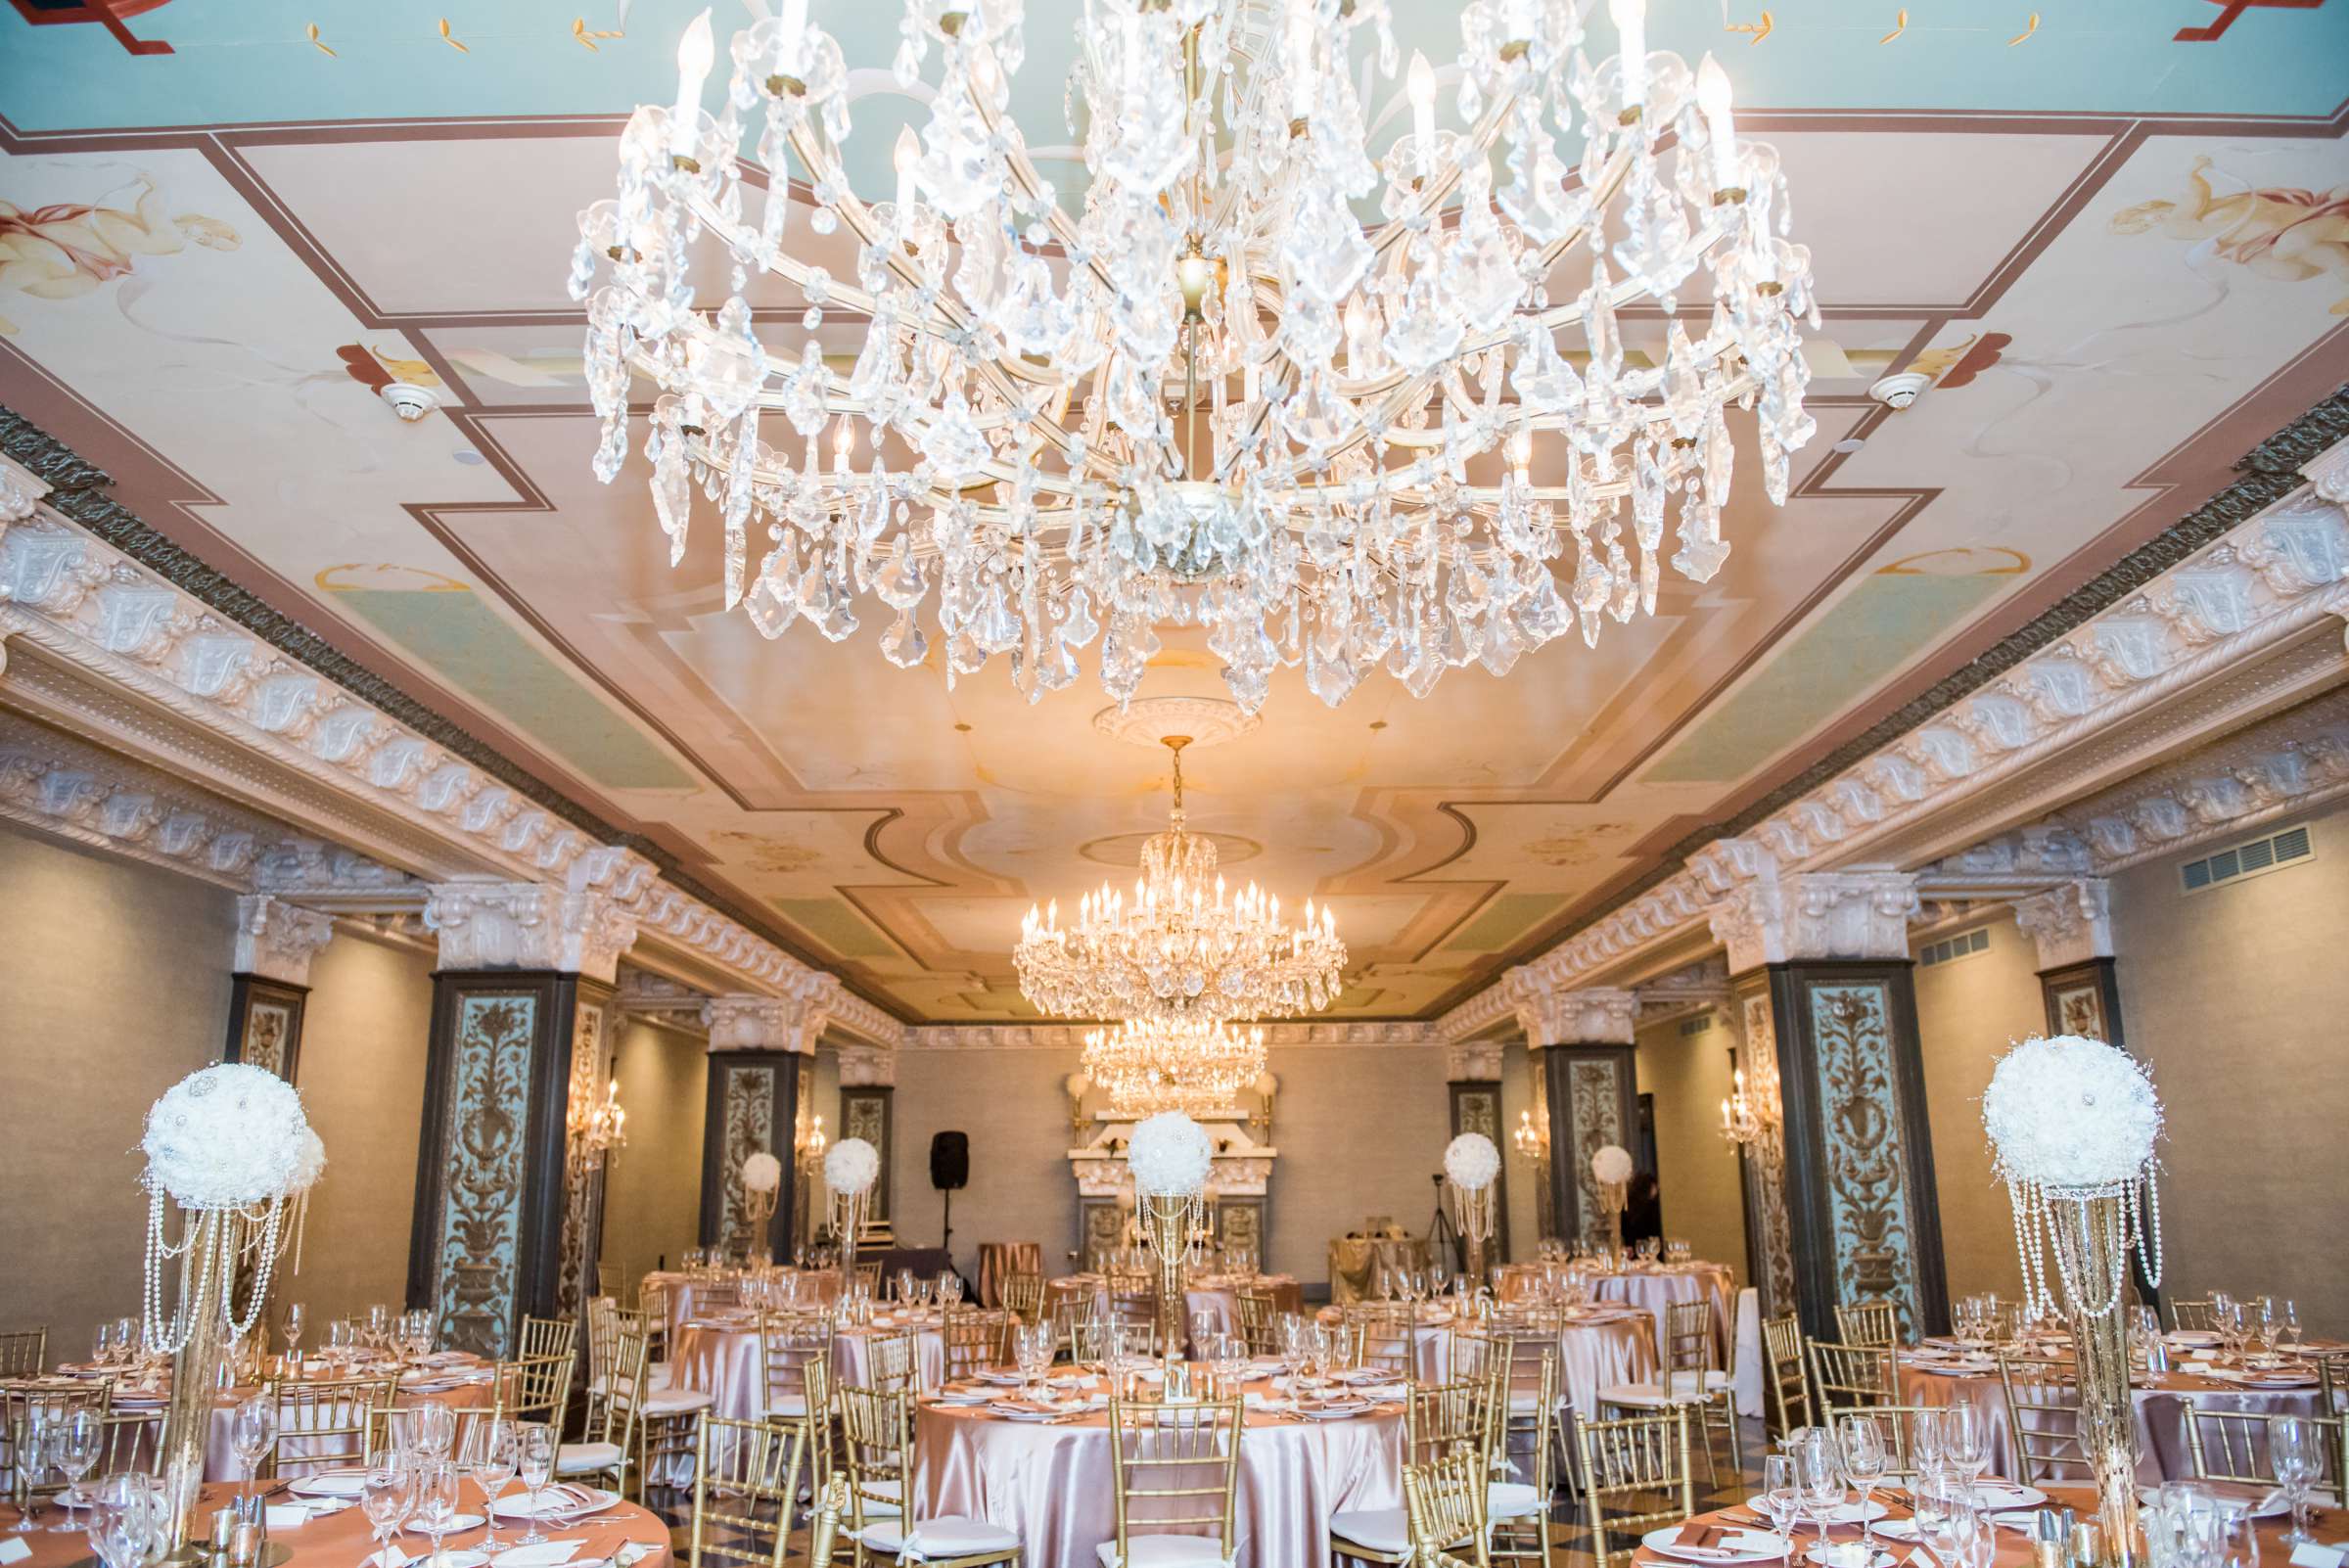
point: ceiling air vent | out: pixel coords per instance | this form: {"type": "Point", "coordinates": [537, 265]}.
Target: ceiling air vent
{"type": "Point", "coordinates": [2274, 853]}
{"type": "Point", "coordinates": [1948, 950]}
{"type": "Point", "coordinates": [1695, 1026]}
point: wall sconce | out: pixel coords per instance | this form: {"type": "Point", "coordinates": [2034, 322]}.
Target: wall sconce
{"type": "Point", "coordinates": [1075, 1084]}
{"type": "Point", "coordinates": [812, 1144]}
{"type": "Point", "coordinates": [1260, 1123]}
{"type": "Point", "coordinates": [1739, 1123]}
{"type": "Point", "coordinates": [1532, 1141]}
{"type": "Point", "coordinates": [604, 1128]}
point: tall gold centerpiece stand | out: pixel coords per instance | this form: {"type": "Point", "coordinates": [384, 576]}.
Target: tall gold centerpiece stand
{"type": "Point", "coordinates": [759, 1208]}
{"type": "Point", "coordinates": [212, 1245]}
{"type": "Point", "coordinates": [1472, 1215]}
{"type": "Point", "coordinates": [2091, 1229]}
{"type": "Point", "coordinates": [1170, 1225]}
{"type": "Point", "coordinates": [847, 1224]}
{"type": "Point", "coordinates": [1613, 1198]}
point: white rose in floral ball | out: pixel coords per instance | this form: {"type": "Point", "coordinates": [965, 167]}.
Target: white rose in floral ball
{"type": "Point", "coordinates": [851, 1165]}
{"type": "Point", "coordinates": [1612, 1164]}
{"type": "Point", "coordinates": [762, 1173]}
{"type": "Point", "coordinates": [1471, 1161]}
{"type": "Point", "coordinates": [226, 1136]}
{"type": "Point", "coordinates": [1170, 1155]}
{"type": "Point", "coordinates": [313, 1162]}
{"type": "Point", "coordinates": [2070, 1112]}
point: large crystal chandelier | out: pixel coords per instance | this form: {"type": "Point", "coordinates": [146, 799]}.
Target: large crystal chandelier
{"type": "Point", "coordinates": [1181, 947]}
{"type": "Point", "coordinates": [1154, 1066]}
{"type": "Point", "coordinates": [1209, 394]}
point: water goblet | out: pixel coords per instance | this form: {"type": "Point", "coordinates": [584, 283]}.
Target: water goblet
{"type": "Point", "coordinates": [252, 1433]}
{"type": "Point", "coordinates": [1780, 1498]}
{"type": "Point", "coordinates": [2297, 1451]}
{"type": "Point", "coordinates": [386, 1494]}
{"type": "Point", "coordinates": [75, 1438]}
{"type": "Point", "coordinates": [1820, 1469]}
{"type": "Point", "coordinates": [434, 1429]}
{"type": "Point", "coordinates": [1860, 1443]}
{"type": "Point", "coordinates": [128, 1524]}
{"type": "Point", "coordinates": [494, 1459]}
{"type": "Point", "coordinates": [295, 1321]}
{"type": "Point", "coordinates": [535, 1462]}
{"type": "Point", "coordinates": [1965, 1435]}
{"type": "Point", "coordinates": [36, 1446]}
{"type": "Point", "coordinates": [435, 1509]}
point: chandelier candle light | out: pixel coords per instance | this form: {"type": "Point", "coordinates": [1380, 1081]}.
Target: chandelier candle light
{"type": "Point", "coordinates": [851, 1169]}
{"type": "Point", "coordinates": [231, 1147]}
{"type": "Point", "coordinates": [1170, 1156]}
{"type": "Point", "coordinates": [761, 1185]}
{"type": "Point", "coordinates": [2072, 1125]}
{"type": "Point", "coordinates": [1183, 948]}
{"type": "Point", "coordinates": [1148, 1065]}
{"type": "Point", "coordinates": [1196, 390]}
{"type": "Point", "coordinates": [1471, 1162]}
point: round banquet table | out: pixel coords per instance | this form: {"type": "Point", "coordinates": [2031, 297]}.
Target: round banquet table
{"type": "Point", "coordinates": [2013, 1548]}
{"type": "Point", "coordinates": [998, 1261]}
{"type": "Point", "coordinates": [341, 1539]}
{"type": "Point", "coordinates": [1597, 1347]}
{"type": "Point", "coordinates": [1051, 1483]}
{"type": "Point", "coordinates": [1213, 1297]}
{"type": "Point", "coordinates": [1361, 1265]}
{"type": "Point", "coordinates": [2159, 1404]}
{"type": "Point", "coordinates": [1655, 1287]}
{"type": "Point", "coordinates": [719, 1357]}
{"type": "Point", "coordinates": [819, 1287]}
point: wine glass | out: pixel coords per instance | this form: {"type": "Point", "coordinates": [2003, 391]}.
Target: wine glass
{"type": "Point", "coordinates": [1818, 1469]}
{"type": "Point", "coordinates": [295, 1321]}
{"type": "Point", "coordinates": [1966, 1440]}
{"type": "Point", "coordinates": [76, 1435]}
{"type": "Point", "coordinates": [33, 1448]}
{"type": "Point", "coordinates": [386, 1494]}
{"type": "Point", "coordinates": [252, 1433]}
{"type": "Point", "coordinates": [535, 1463]}
{"type": "Point", "coordinates": [2297, 1452]}
{"type": "Point", "coordinates": [1860, 1441]}
{"type": "Point", "coordinates": [1780, 1498]}
{"type": "Point", "coordinates": [128, 1524]}
{"type": "Point", "coordinates": [432, 1429]}
{"type": "Point", "coordinates": [492, 1459]}
{"type": "Point", "coordinates": [435, 1512]}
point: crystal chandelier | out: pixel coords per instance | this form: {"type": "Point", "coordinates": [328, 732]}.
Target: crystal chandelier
{"type": "Point", "coordinates": [1180, 948]}
{"type": "Point", "coordinates": [1207, 395]}
{"type": "Point", "coordinates": [1188, 1066]}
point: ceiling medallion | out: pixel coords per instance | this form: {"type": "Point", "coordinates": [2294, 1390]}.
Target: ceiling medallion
{"type": "Point", "coordinates": [1181, 949]}
{"type": "Point", "coordinates": [1195, 1068]}
{"type": "Point", "coordinates": [1148, 720]}
{"type": "Point", "coordinates": [1207, 396]}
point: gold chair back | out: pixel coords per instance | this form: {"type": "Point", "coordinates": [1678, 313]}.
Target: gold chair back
{"type": "Point", "coordinates": [328, 1423]}
{"type": "Point", "coordinates": [791, 1347]}
{"type": "Point", "coordinates": [1851, 1377]}
{"type": "Point", "coordinates": [2042, 1419]}
{"type": "Point", "coordinates": [537, 1388]}
{"type": "Point", "coordinates": [876, 1432]}
{"type": "Point", "coordinates": [549, 1336]}
{"type": "Point", "coordinates": [1389, 1337]}
{"type": "Point", "coordinates": [1869, 1322]}
{"type": "Point", "coordinates": [1260, 1320]}
{"type": "Point", "coordinates": [2233, 1446]}
{"type": "Point", "coordinates": [1634, 1460]}
{"type": "Point", "coordinates": [1024, 1297]}
{"type": "Point", "coordinates": [1463, 1415]}
{"type": "Point", "coordinates": [893, 1362]}
{"type": "Point", "coordinates": [976, 1337]}
{"type": "Point", "coordinates": [1444, 1507]}
{"type": "Point", "coordinates": [2196, 1313]}
{"type": "Point", "coordinates": [21, 1402]}
{"type": "Point", "coordinates": [1785, 1378]}
{"type": "Point", "coordinates": [24, 1352]}
{"type": "Point", "coordinates": [746, 1482]}
{"type": "Point", "coordinates": [869, 1278]}
{"type": "Point", "coordinates": [1689, 1342]}
{"type": "Point", "coordinates": [1177, 1469]}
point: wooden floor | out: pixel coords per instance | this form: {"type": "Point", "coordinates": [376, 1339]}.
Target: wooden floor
{"type": "Point", "coordinates": [1570, 1541]}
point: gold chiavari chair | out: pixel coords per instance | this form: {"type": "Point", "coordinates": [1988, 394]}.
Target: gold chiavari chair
{"type": "Point", "coordinates": [746, 1482]}
{"type": "Point", "coordinates": [1897, 1424]}
{"type": "Point", "coordinates": [1869, 1322]}
{"type": "Point", "coordinates": [549, 1336]}
{"type": "Point", "coordinates": [877, 1442]}
{"type": "Point", "coordinates": [24, 1352]}
{"type": "Point", "coordinates": [23, 1403]}
{"type": "Point", "coordinates": [133, 1442]}
{"type": "Point", "coordinates": [1347, 1342]}
{"type": "Point", "coordinates": [603, 1328]}
{"type": "Point", "coordinates": [976, 1337]}
{"type": "Point", "coordinates": [1637, 1460]}
{"type": "Point", "coordinates": [653, 1302]}
{"type": "Point", "coordinates": [1444, 1503]}
{"type": "Point", "coordinates": [2042, 1419]}
{"type": "Point", "coordinates": [2194, 1313]}
{"type": "Point", "coordinates": [1440, 1420]}
{"type": "Point", "coordinates": [793, 1349]}
{"type": "Point", "coordinates": [2329, 1384]}
{"type": "Point", "coordinates": [1690, 1379]}
{"type": "Point", "coordinates": [1176, 1466]}
{"type": "Point", "coordinates": [326, 1424]}
{"type": "Point", "coordinates": [1390, 1338]}
{"type": "Point", "coordinates": [1517, 1512]}
{"type": "Point", "coordinates": [1851, 1377]}
{"type": "Point", "coordinates": [1024, 1297]}
{"type": "Point", "coordinates": [395, 1429]}
{"type": "Point", "coordinates": [869, 1278]}
{"type": "Point", "coordinates": [536, 1388]}
{"type": "Point", "coordinates": [1259, 1321]}
{"type": "Point", "coordinates": [1786, 1380]}
{"type": "Point", "coordinates": [2233, 1446]}
{"type": "Point", "coordinates": [893, 1362]}
{"type": "Point", "coordinates": [611, 1448]}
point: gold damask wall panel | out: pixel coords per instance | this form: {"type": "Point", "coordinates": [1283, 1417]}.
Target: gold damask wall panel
{"type": "Point", "coordinates": [483, 1173]}
{"type": "Point", "coordinates": [1869, 1207]}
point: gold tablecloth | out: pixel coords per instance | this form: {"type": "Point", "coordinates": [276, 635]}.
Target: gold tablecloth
{"type": "Point", "coordinates": [1360, 1264]}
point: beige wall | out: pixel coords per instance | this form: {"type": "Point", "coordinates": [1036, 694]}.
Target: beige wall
{"type": "Point", "coordinates": [115, 980]}
{"type": "Point", "coordinates": [1696, 1169]}
{"type": "Point", "coordinates": [2236, 997]}
{"type": "Point", "coordinates": [364, 1039]}
{"type": "Point", "coordinates": [1011, 1104]}
{"type": "Point", "coordinates": [1360, 1130]}
{"type": "Point", "coordinates": [1968, 1011]}
{"type": "Point", "coordinates": [653, 1188]}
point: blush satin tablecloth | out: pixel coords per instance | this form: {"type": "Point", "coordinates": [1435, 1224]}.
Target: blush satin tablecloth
{"type": "Point", "coordinates": [1596, 1349]}
{"type": "Point", "coordinates": [1052, 1485]}
{"type": "Point", "coordinates": [690, 1296]}
{"type": "Point", "coordinates": [721, 1359]}
{"type": "Point", "coordinates": [1213, 1297]}
{"type": "Point", "coordinates": [998, 1261]}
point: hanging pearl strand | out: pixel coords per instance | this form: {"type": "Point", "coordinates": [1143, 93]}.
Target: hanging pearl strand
{"type": "Point", "coordinates": [2028, 1202]}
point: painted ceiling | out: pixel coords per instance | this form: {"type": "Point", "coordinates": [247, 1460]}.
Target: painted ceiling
{"type": "Point", "coordinates": [2114, 232]}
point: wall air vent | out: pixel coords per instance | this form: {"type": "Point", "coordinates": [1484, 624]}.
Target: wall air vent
{"type": "Point", "coordinates": [2275, 852]}
{"type": "Point", "coordinates": [1948, 950]}
{"type": "Point", "coordinates": [1695, 1026]}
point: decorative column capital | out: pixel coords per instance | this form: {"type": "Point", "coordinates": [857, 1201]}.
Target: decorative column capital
{"type": "Point", "coordinates": [867, 1067]}
{"type": "Point", "coordinates": [528, 925]}
{"type": "Point", "coordinates": [1777, 919]}
{"type": "Point", "coordinates": [1473, 1061]}
{"type": "Point", "coordinates": [770, 1023]}
{"type": "Point", "coordinates": [2070, 923]}
{"type": "Point", "coordinates": [21, 492]}
{"type": "Point", "coordinates": [277, 940]}
{"type": "Point", "coordinates": [2327, 473]}
{"type": "Point", "coordinates": [1594, 1015]}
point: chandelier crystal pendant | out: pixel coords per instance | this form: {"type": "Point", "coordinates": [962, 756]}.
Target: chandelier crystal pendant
{"type": "Point", "coordinates": [1208, 396]}
{"type": "Point", "coordinates": [1193, 1067]}
{"type": "Point", "coordinates": [1180, 948]}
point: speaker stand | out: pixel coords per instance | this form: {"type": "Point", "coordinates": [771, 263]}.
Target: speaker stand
{"type": "Point", "coordinates": [946, 1241]}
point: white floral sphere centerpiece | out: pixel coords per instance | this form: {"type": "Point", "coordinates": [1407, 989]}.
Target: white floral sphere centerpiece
{"type": "Point", "coordinates": [763, 1172]}
{"type": "Point", "coordinates": [228, 1136]}
{"type": "Point", "coordinates": [312, 1163]}
{"type": "Point", "coordinates": [1471, 1162]}
{"type": "Point", "coordinates": [2070, 1113]}
{"type": "Point", "coordinates": [1170, 1155]}
{"type": "Point", "coordinates": [1611, 1163]}
{"type": "Point", "coordinates": [851, 1167]}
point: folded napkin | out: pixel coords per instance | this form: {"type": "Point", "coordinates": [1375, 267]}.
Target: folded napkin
{"type": "Point", "coordinates": [13, 1549]}
{"type": "Point", "coordinates": [294, 1515]}
{"type": "Point", "coordinates": [1703, 1535]}
{"type": "Point", "coordinates": [546, 1554]}
{"type": "Point", "coordinates": [1029, 1406]}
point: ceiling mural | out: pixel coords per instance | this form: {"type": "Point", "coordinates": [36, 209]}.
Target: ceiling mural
{"type": "Point", "coordinates": [2114, 239]}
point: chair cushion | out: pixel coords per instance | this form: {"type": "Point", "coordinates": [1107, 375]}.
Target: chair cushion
{"type": "Point", "coordinates": [1685, 1385]}
{"type": "Point", "coordinates": [881, 1498]}
{"type": "Point", "coordinates": [1163, 1552]}
{"type": "Point", "coordinates": [1635, 1395]}
{"type": "Point", "coordinates": [659, 1376]}
{"type": "Point", "coordinates": [1384, 1530]}
{"type": "Point", "coordinates": [1511, 1499]}
{"type": "Point", "coordinates": [790, 1408]}
{"type": "Point", "coordinates": [586, 1458]}
{"type": "Point", "coordinates": [948, 1536]}
{"type": "Point", "coordinates": [676, 1401]}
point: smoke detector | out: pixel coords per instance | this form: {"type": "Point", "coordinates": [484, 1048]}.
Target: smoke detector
{"type": "Point", "coordinates": [408, 400]}
{"type": "Point", "coordinates": [1895, 393]}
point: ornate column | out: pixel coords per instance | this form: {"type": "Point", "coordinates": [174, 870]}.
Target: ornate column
{"type": "Point", "coordinates": [868, 1090]}
{"type": "Point", "coordinates": [505, 1213]}
{"type": "Point", "coordinates": [2071, 924]}
{"type": "Point", "coordinates": [1473, 1083]}
{"type": "Point", "coordinates": [1590, 1081]}
{"type": "Point", "coordinates": [758, 1048]}
{"type": "Point", "coordinates": [269, 981]}
{"type": "Point", "coordinates": [1825, 955]}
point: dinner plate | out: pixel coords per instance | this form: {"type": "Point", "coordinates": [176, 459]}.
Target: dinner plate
{"type": "Point", "coordinates": [553, 1505]}
{"type": "Point", "coordinates": [2006, 1495]}
{"type": "Point", "coordinates": [1335, 1413]}
{"type": "Point", "coordinates": [330, 1484]}
{"type": "Point", "coordinates": [1836, 1553]}
{"type": "Point", "coordinates": [1843, 1513]}
{"type": "Point", "coordinates": [1744, 1545]}
{"type": "Point", "coordinates": [2190, 1336]}
{"type": "Point", "coordinates": [1023, 1413]}
{"type": "Point", "coordinates": [2268, 1505]}
{"type": "Point", "coordinates": [2242, 1380]}
{"type": "Point", "coordinates": [450, 1558]}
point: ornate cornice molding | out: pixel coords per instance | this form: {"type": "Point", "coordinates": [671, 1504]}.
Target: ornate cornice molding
{"type": "Point", "coordinates": [1473, 1061]}
{"type": "Point", "coordinates": [74, 791]}
{"type": "Point", "coordinates": [277, 940]}
{"type": "Point", "coordinates": [793, 1023]}
{"type": "Point", "coordinates": [867, 1067]}
{"type": "Point", "coordinates": [1777, 919]}
{"type": "Point", "coordinates": [78, 491]}
{"type": "Point", "coordinates": [1593, 1015]}
{"type": "Point", "coordinates": [1071, 1037]}
{"type": "Point", "coordinates": [528, 925]}
{"type": "Point", "coordinates": [2069, 923]}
